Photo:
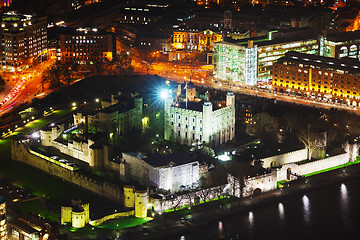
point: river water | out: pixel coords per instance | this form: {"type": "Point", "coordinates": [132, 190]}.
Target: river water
{"type": "Point", "coordinates": [330, 213]}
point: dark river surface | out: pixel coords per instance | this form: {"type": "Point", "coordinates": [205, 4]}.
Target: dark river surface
{"type": "Point", "coordinates": [329, 213]}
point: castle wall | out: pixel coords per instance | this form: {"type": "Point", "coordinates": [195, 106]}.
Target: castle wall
{"type": "Point", "coordinates": [112, 216]}
{"type": "Point", "coordinates": [313, 166]}
{"type": "Point", "coordinates": [285, 158]}
{"type": "Point", "coordinates": [186, 199]}
{"type": "Point", "coordinates": [138, 169]}
{"type": "Point", "coordinates": [105, 189]}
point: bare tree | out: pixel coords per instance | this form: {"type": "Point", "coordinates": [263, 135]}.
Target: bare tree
{"type": "Point", "coordinates": [311, 143]}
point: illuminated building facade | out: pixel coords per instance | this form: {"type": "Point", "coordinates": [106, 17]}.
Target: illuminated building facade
{"type": "Point", "coordinates": [323, 78]}
{"type": "Point", "coordinates": [86, 45]}
{"type": "Point", "coordinates": [195, 40]}
{"type": "Point", "coordinates": [250, 61]}
{"type": "Point", "coordinates": [144, 15]}
{"type": "Point", "coordinates": [3, 228]}
{"type": "Point", "coordinates": [200, 121]}
{"type": "Point", "coordinates": [116, 117]}
{"type": "Point", "coordinates": [343, 44]}
{"type": "Point", "coordinates": [78, 214]}
{"type": "Point", "coordinates": [7, 3]}
{"type": "Point", "coordinates": [23, 37]}
{"type": "Point", "coordinates": [168, 172]}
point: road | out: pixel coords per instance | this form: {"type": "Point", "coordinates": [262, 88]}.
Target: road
{"type": "Point", "coordinates": [197, 73]}
{"type": "Point", "coordinates": [179, 73]}
{"type": "Point", "coordinates": [29, 85]}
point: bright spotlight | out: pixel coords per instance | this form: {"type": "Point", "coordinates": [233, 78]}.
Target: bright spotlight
{"type": "Point", "coordinates": [35, 135]}
{"type": "Point", "coordinates": [164, 93]}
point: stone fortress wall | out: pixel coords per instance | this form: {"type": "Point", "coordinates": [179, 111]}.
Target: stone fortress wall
{"type": "Point", "coordinates": [288, 167]}
{"type": "Point", "coordinates": [279, 160]}
{"type": "Point", "coordinates": [19, 152]}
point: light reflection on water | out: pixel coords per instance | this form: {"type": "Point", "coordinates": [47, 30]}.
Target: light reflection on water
{"type": "Point", "coordinates": [344, 205]}
{"type": "Point", "coordinates": [220, 228]}
{"type": "Point", "coordinates": [251, 220]}
{"type": "Point", "coordinates": [329, 213]}
{"type": "Point", "coordinates": [281, 214]}
{"type": "Point", "coordinates": [344, 197]}
{"type": "Point", "coordinates": [306, 206]}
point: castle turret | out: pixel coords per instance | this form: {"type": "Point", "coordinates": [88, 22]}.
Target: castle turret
{"type": "Point", "coordinates": [139, 109]}
{"type": "Point", "coordinates": [167, 105]}
{"type": "Point", "coordinates": [87, 212]}
{"type": "Point", "coordinates": [141, 202]}
{"type": "Point", "coordinates": [129, 196]}
{"type": "Point", "coordinates": [78, 218]}
{"type": "Point", "coordinates": [207, 113]}
{"type": "Point", "coordinates": [230, 98]}
{"type": "Point", "coordinates": [66, 214]}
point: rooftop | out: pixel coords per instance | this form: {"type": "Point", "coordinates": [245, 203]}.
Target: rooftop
{"type": "Point", "coordinates": [177, 158]}
{"type": "Point", "coordinates": [278, 37]}
{"type": "Point", "coordinates": [350, 65]}
{"type": "Point", "coordinates": [196, 106]}
{"type": "Point", "coordinates": [344, 36]}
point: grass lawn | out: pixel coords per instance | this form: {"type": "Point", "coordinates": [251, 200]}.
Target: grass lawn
{"type": "Point", "coordinates": [37, 207]}
{"type": "Point", "coordinates": [122, 223]}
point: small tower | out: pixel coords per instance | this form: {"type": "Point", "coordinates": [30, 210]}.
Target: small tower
{"type": "Point", "coordinates": [167, 106]}
{"type": "Point", "coordinates": [86, 208]}
{"type": "Point", "coordinates": [129, 196]}
{"type": "Point", "coordinates": [141, 202]}
{"type": "Point", "coordinates": [207, 113]}
{"type": "Point", "coordinates": [230, 98]}
{"type": "Point", "coordinates": [78, 218]}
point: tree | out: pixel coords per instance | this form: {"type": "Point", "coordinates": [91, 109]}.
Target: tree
{"type": "Point", "coordinates": [311, 143]}
{"type": "Point", "coordinates": [122, 63]}
{"type": "Point", "coordinates": [68, 70]}
{"type": "Point", "coordinates": [265, 126]}
{"type": "Point", "coordinates": [52, 77]}
{"type": "Point", "coordinates": [98, 63]}
{"type": "Point", "coordinates": [59, 74]}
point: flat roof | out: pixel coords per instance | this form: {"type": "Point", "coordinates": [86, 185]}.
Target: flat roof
{"type": "Point", "coordinates": [351, 65]}
{"type": "Point", "coordinates": [196, 106]}
{"type": "Point", "coordinates": [344, 36]}
{"type": "Point", "coordinates": [177, 158]}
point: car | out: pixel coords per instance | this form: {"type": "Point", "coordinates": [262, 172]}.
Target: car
{"type": "Point", "coordinates": [55, 157]}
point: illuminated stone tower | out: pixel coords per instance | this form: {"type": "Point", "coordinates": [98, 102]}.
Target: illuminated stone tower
{"type": "Point", "coordinates": [207, 121]}
{"type": "Point", "coordinates": [3, 228]}
{"type": "Point", "coordinates": [141, 202]}
{"type": "Point", "coordinates": [129, 196]}
{"type": "Point", "coordinates": [168, 102]}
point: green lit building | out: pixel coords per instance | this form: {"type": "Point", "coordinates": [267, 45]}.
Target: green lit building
{"type": "Point", "coordinates": [249, 61]}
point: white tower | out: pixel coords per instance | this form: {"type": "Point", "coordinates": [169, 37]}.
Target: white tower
{"type": "Point", "coordinates": [167, 104]}
{"type": "Point", "coordinates": [207, 121]}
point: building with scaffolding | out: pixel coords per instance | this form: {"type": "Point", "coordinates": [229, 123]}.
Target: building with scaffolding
{"type": "Point", "coordinates": [249, 61]}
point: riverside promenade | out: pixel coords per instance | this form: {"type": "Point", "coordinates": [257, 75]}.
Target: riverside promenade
{"type": "Point", "coordinates": [170, 227]}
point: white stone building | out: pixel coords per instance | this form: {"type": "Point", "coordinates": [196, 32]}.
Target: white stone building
{"type": "Point", "coordinates": [170, 172]}
{"type": "Point", "coordinates": [200, 121]}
